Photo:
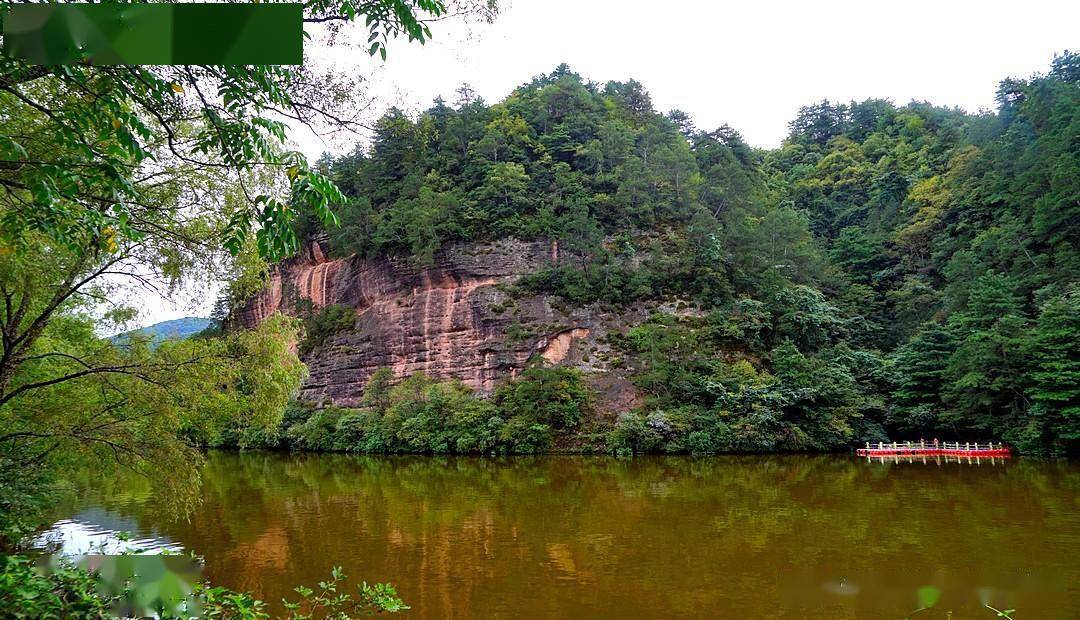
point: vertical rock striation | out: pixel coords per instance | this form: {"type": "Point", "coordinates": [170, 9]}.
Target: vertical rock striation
{"type": "Point", "coordinates": [452, 319]}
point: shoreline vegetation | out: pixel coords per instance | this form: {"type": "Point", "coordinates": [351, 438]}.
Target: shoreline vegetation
{"type": "Point", "coordinates": [547, 410]}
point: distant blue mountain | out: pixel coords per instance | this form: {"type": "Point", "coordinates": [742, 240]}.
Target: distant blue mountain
{"type": "Point", "coordinates": [176, 329]}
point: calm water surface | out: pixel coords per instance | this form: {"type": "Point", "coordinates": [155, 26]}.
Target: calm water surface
{"type": "Point", "coordinates": [581, 537]}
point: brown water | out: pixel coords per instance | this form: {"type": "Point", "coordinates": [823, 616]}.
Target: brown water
{"type": "Point", "coordinates": [582, 537]}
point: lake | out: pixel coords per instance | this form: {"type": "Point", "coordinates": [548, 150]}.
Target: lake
{"type": "Point", "coordinates": [582, 537]}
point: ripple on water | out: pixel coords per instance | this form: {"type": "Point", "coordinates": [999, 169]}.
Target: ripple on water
{"type": "Point", "coordinates": [75, 536]}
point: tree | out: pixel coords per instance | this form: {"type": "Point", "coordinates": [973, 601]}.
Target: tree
{"type": "Point", "coordinates": [505, 185]}
{"type": "Point", "coordinates": [377, 390]}
{"type": "Point", "coordinates": [731, 180]}
{"type": "Point", "coordinates": [505, 138]}
{"type": "Point", "coordinates": [920, 379]}
{"type": "Point", "coordinates": [818, 123]}
{"type": "Point", "coordinates": [579, 235]}
{"type": "Point", "coordinates": [138, 171]}
{"type": "Point", "coordinates": [1055, 393]}
{"type": "Point", "coordinates": [804, 317]}
{"type": "Point", "coordinates": [141, 175]}
{"type": "Point", "coordinates": [683, 122]}
{"type": "Point", "coordinates": [79, 400]}
{"type": "Point", "coordinates": [859, 254]}
{"type": "Point", "coordinates": [89, 133]}
{"type": "Point", "coordinates": [554, 396]}
{"type": "Point", "coordinates": [987, 372]}
{"type": "Point", "coordinates": [632, 96]}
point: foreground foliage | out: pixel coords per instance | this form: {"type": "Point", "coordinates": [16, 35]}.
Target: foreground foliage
{"type": "Point", "coordinates": [120, 182]}
{"type": "Point", "coordinates": [79, 141]}
{"type": "Point", "coordinates": [66, 591]}
{"type": "Point", "coordinates": [63, 593]}
{"type": "Point", "coordinates": [150, 412]}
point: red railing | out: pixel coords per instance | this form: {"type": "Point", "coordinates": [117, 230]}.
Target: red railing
{"type": "Point", "coordinates": [923, 448]}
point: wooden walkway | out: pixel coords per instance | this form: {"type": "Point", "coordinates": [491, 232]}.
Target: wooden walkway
{"type": "Point", "coordinates": [922, 448]}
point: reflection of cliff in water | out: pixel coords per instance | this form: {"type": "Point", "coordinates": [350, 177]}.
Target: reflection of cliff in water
{"type": "Point", "coordinates": [772, 536]}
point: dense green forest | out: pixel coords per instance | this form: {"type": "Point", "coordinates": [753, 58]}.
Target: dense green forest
{"type": "Point", "coordinates": [889, 271]}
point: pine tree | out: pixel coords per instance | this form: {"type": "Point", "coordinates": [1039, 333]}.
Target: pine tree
{"type": "Point", "coordinates": [1055, 419]}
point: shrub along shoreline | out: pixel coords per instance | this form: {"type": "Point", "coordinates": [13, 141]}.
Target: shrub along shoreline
{"type": "Point", "coordinates": [421, 415]}
{"type": "Point", "coordinates": [552, 410]}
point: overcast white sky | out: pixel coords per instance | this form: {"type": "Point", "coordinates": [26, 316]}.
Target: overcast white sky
{"type": "Point", "coordinates": [747, 63]}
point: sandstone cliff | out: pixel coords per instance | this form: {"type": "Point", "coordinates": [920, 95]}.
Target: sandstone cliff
{"type": "Point", "coordinates": [452, 319]}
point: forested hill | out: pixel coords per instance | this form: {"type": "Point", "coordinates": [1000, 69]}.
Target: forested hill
{"type": "Point", "coordinates": [165, 330]}
{"type": "Point", "coordinates": [900, 271]}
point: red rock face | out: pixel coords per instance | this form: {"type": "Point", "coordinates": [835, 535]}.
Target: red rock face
{"type": "Point", "coordinates": [448, 320]}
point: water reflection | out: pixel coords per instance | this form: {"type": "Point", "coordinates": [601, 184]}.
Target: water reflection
{"type": "Point", "coordinates": [98, 531]}
{"type": "Point", "coordinates": [992, 461]}
{"type": "Point", "coordinates": [744, 537]}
